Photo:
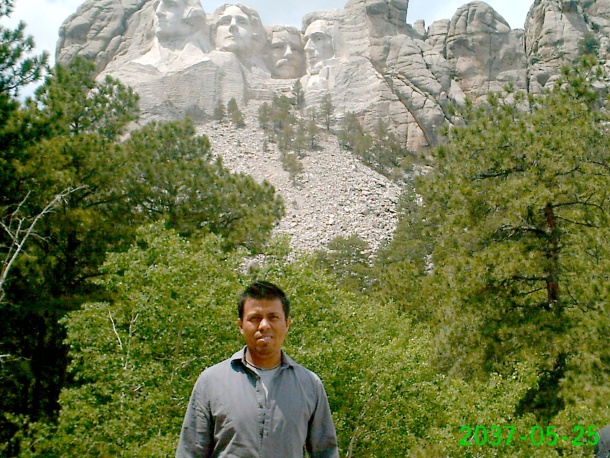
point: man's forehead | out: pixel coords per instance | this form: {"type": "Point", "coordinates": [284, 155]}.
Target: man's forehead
{"type": "Point", "coordinates": [262, 304]}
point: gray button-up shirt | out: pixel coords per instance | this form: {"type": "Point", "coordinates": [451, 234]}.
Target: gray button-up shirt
{"type": "Point", "coordinates": [229, 416]}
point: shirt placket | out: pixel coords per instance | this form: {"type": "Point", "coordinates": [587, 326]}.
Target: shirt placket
{"type": "Point", "coordinates": [263, 415]}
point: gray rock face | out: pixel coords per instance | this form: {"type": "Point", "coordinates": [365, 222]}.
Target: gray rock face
{"type": "Point", "coordinates": [366, 56]}
{"type": "Point", "coordinates": [182, 60]}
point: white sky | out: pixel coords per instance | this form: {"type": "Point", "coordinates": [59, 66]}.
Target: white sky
{"type": "Point", "coordinates": [43, 17]}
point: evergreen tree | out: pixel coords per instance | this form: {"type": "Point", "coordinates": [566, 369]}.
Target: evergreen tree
{"type": "Point", "coordinates": [169, 174]}
{"type": "Point", "coordinates": [516, 222]}
{"type": "Point", "coordinates": [235, 114]}
{"type": "Point", "coordinates": [299, 95]}
{"type": "Point", "coordinates": [264, 116]}
{"type": "Point", "coordinates": [219, 111]}
{"type": "Point", "coordinates": [327, 111]}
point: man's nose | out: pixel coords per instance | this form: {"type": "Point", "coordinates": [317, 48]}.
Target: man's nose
{"type": "Point", "coordinates": [288, 52]}
{"type": "Point", "coordinates": [264, 324]}
{"type": "Point", "coordinates": [233, 25]}
{"type": "Point", "coordinates": [309, 45]}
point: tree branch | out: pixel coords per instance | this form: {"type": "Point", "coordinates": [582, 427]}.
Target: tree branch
{"type": "Point", "coordinates": [19, 235]}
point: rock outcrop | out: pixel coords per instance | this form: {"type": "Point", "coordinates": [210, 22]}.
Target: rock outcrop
{"type": "Point", "coordinates": [183, 60]}
{"type": "Point", "coordinates": [377, 65]}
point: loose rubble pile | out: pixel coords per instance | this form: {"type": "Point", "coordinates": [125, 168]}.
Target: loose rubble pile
{"type": "Point", "coordinates": [335, 195]}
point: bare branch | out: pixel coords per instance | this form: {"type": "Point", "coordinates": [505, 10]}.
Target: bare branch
{"type": "Point", "coordinates": [118, 337]}
{"type": "Point", "coordinates": [20, 234]}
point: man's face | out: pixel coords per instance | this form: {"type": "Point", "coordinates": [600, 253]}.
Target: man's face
{"type": "Point", "coordinates": [318, 43]}
{"type": "Point", "coordinates": [170, 19]}
{"type": "Point", "coordinates": [234, 31]}
{"type": "Point", "coordinates": [264, 327]}
{"type": "Point", "coordinates": [287, 54]}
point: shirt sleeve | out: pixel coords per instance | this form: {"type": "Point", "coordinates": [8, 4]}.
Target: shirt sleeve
{"type": "Point", "coordinates": [321, 435]}
{"type": "Point", "coordinates": [197, 429]}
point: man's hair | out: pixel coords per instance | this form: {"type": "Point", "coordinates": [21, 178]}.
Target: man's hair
{"type": "Point", "coordinates": [263, 290]}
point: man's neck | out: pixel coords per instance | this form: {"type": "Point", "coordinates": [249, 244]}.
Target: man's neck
{"type": "Point", "coordinates": [267, 363]}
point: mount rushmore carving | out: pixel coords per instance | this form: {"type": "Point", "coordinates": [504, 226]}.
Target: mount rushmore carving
{"type": "Point", "coordinates": [181, 59]}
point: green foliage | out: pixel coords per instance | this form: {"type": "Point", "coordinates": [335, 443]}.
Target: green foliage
{"type": "Point", "coordinates": [327, 110]}
{"type": "Point", "coordinates": [235, 114]}
{"type": "Point", "coordinates": [169, 174]}
{"type": "Point", "coordinates": [292, 164]}
{"type": "Point", "coordinates": [135, 358]}
{"type": "Point", "coordinates": [348, 258]}
{"type": "Point", "coordinates": [509, 248]}
{"type": "Point", "coordinates": [588, 45]}
{"type": "Point", "coordinates": [290, 131]}
{"type": "Point", "coordinates": [298, 94]}
{"type": "Point", "coordinates": [219, 111]}
{"type": "Point", "coordinates": [17, 70]}
{"type": "Point", "coordinates": [70, 142]}
{"type": "Point", "coordinates": [379, 149]}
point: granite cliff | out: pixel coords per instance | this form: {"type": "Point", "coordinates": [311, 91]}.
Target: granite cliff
{"type": "Point", "coordinates": [182, 59]}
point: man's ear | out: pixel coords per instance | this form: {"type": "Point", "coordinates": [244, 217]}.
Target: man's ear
{"type": "Point", "coordinates": [240, 323]}
{"type": "Point", "coordinates": [288, 322]}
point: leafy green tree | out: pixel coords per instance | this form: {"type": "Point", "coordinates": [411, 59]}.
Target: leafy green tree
{"type": "Point", "coordinates": [135, 357]}
{"type": "Point", "coordinates": [516, 220]}
{"type": "Point", "coordinates": [589, 44]}
{"type": "Point", "coordinates": [349, 259]}
{"type": "Point", "coordinates": [69, 142]}
{"type": "Point", "coordinates": [282, 113]}
{"type": "Point", "coordinates": [60, 147]}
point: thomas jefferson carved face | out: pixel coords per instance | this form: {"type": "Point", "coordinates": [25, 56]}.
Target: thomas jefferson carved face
{"type": "Point", "coordinates": [318, 42]}
{"type": "Point", "coordinates": [287, 54]}
{"type": "Point", "coordinates": [234, 31]}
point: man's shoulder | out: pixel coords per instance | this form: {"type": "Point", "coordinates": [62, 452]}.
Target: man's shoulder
{"type": "Point", "coordinates": [222, 368]}
{"type": "Point", "coordinates": [302, 371]}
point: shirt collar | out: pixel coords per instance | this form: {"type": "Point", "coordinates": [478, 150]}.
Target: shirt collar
{"type": "Point", "coordinates": [240, 357]}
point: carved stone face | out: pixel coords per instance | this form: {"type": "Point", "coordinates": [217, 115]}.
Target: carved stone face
{"type": "Point", "coordinates": [234, 31]}
{"type": "Point", "coordinates": [170, 19]}
{"type": "Point", "coordinates": [287, 54]}
{"type": "Point", "coordinates": [318, 43]}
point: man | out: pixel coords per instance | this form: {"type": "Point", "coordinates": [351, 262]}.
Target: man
{"type": "Point", "coordinates": [259, 403]}
{"type": "Point", "coordinates": [602, 448]}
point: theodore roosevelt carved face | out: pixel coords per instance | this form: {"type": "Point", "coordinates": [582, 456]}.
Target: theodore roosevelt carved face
{"type": "Point", "coordinates": [286, 54]}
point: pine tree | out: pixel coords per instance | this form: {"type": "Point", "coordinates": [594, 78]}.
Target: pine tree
{"type": "Point", "coordinates": [219, 111]}
{"type": "Point", "coordinates": [235, 114]}
{"type": "Point", "coordinates": [512, 241]}
{"type": "Point", "coordinates": [327, 111]}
